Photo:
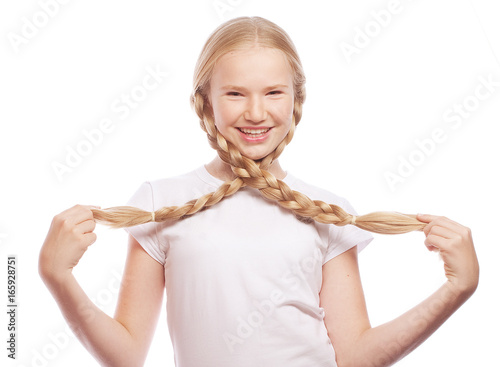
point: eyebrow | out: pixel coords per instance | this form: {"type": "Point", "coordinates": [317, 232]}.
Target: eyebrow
{"type": "Point", "coordinates": [239, 88]}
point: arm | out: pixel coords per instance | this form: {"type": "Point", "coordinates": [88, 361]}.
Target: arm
{"type": "Point", "coordinates": [120, 341]}
{"type": "Point", "coordinates": [356, 342]}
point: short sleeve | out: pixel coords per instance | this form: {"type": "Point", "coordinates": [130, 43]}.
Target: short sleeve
{"type": "Point", "coordinates": [343, 238]}
{"type": "Point", "coordinates": [146, 234]}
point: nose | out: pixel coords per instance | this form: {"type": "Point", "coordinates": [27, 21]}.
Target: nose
{"type": "Point", "coordinates": [256, 110]}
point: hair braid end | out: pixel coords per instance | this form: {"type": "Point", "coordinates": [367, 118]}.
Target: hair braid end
{"type": "Point", "coordinates": [389, 223]}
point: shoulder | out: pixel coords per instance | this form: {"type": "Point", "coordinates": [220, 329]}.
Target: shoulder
{"type": "Point", "coordinates": [176, 190]}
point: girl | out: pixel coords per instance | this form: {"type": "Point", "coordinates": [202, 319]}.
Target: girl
{"type": "Point", "coordinates": [254, 271]}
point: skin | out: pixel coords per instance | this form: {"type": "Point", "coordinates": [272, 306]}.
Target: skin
{"type": "Point", "coordinates": [251, 89]}
{"type": "Point", "coordinates": [253, 101]}
{"type": "Point", "coordinates": [356, 342]}
{"type": "Point", "coordinates": [133, 324]}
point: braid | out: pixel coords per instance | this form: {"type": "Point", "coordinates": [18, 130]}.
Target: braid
{"type": "Point", "coordinates": [255, 174]}
{"type": "Point", "coordinates": [246, 31]}
{"type": "Point", "coordinates": [128, 216]}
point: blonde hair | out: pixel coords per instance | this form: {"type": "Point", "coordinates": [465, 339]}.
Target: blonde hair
{"type": "Point", "coordinates": [233, 35]}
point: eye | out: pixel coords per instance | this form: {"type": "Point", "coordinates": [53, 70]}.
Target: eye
{"type": "Point", "coordinates": [234, 94]}
{"type": "Point", "coordinates": [275, 92]}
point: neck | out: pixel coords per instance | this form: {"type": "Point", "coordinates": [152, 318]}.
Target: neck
{"type": "Point", "coordinates": [218, 168]}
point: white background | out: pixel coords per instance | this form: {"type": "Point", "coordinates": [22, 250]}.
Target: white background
{"type": "Point", "coordinates": [361, 117]}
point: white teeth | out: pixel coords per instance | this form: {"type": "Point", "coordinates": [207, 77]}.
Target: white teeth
{"type": "Point", "coordinates": [254, 131]}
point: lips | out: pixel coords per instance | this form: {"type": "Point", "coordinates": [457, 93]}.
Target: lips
{"type": "Point", "coordinates": [254, 133]}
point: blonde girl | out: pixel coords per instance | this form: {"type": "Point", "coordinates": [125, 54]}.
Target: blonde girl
{"type": "Point", "coordinates": [259, 267]}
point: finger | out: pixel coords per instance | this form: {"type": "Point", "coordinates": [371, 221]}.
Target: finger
{"type": "Point", "coordinates": [450, 224]}
{"type": "Point", "coordinates": [441, 221]}
{"type": "Point", "coordinates": [442, 232]}
{"type": "Point", "coordinates": [89, 238]}
{"type": "Point", "coordinates": [79, 207]}
{"type": "Point", "coordinates": [88, 207]}
{"type": "Point", "coordinates": [86, 226]}
{"type": "Point", "coordinates": [435, 241]}
{"type": "Point", "coordinates": [432, 248]}
{"type": "Point", "coordinates": [80, 213]}
{"type": "Point", "coordinates": [426, 218]}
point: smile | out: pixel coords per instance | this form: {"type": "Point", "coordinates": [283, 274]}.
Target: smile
{"type": "Point", "coordinates": [254, 133]}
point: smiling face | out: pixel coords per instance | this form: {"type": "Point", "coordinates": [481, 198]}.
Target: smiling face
{"type": "Point", "coordinates": [252, 97]}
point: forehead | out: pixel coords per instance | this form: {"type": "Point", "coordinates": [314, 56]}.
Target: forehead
{"type": "Point", "coordinates": [252, 66]}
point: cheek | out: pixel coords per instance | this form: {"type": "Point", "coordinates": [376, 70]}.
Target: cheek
{"type": "Point", "coordinates": [284, 112]}
{"type": "Point", "coordinates": [224, 114]}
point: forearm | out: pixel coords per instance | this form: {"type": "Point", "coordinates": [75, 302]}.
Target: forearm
{"type": "Point", "coordinates": [386, 344]}
{"type": "Point", "coordinates": [104, 337]}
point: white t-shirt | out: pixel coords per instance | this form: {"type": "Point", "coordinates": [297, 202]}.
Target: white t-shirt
{"type": "Point", "coordinates": [243, 277]}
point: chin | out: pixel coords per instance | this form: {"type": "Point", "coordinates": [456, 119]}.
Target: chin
{"type": "Point", "coordinates": [254, 156]}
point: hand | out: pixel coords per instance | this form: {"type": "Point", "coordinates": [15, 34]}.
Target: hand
{"type": "Point", "coordinates": [69, 236]}
{"type": "Point", "coordinates": [454, 243]}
